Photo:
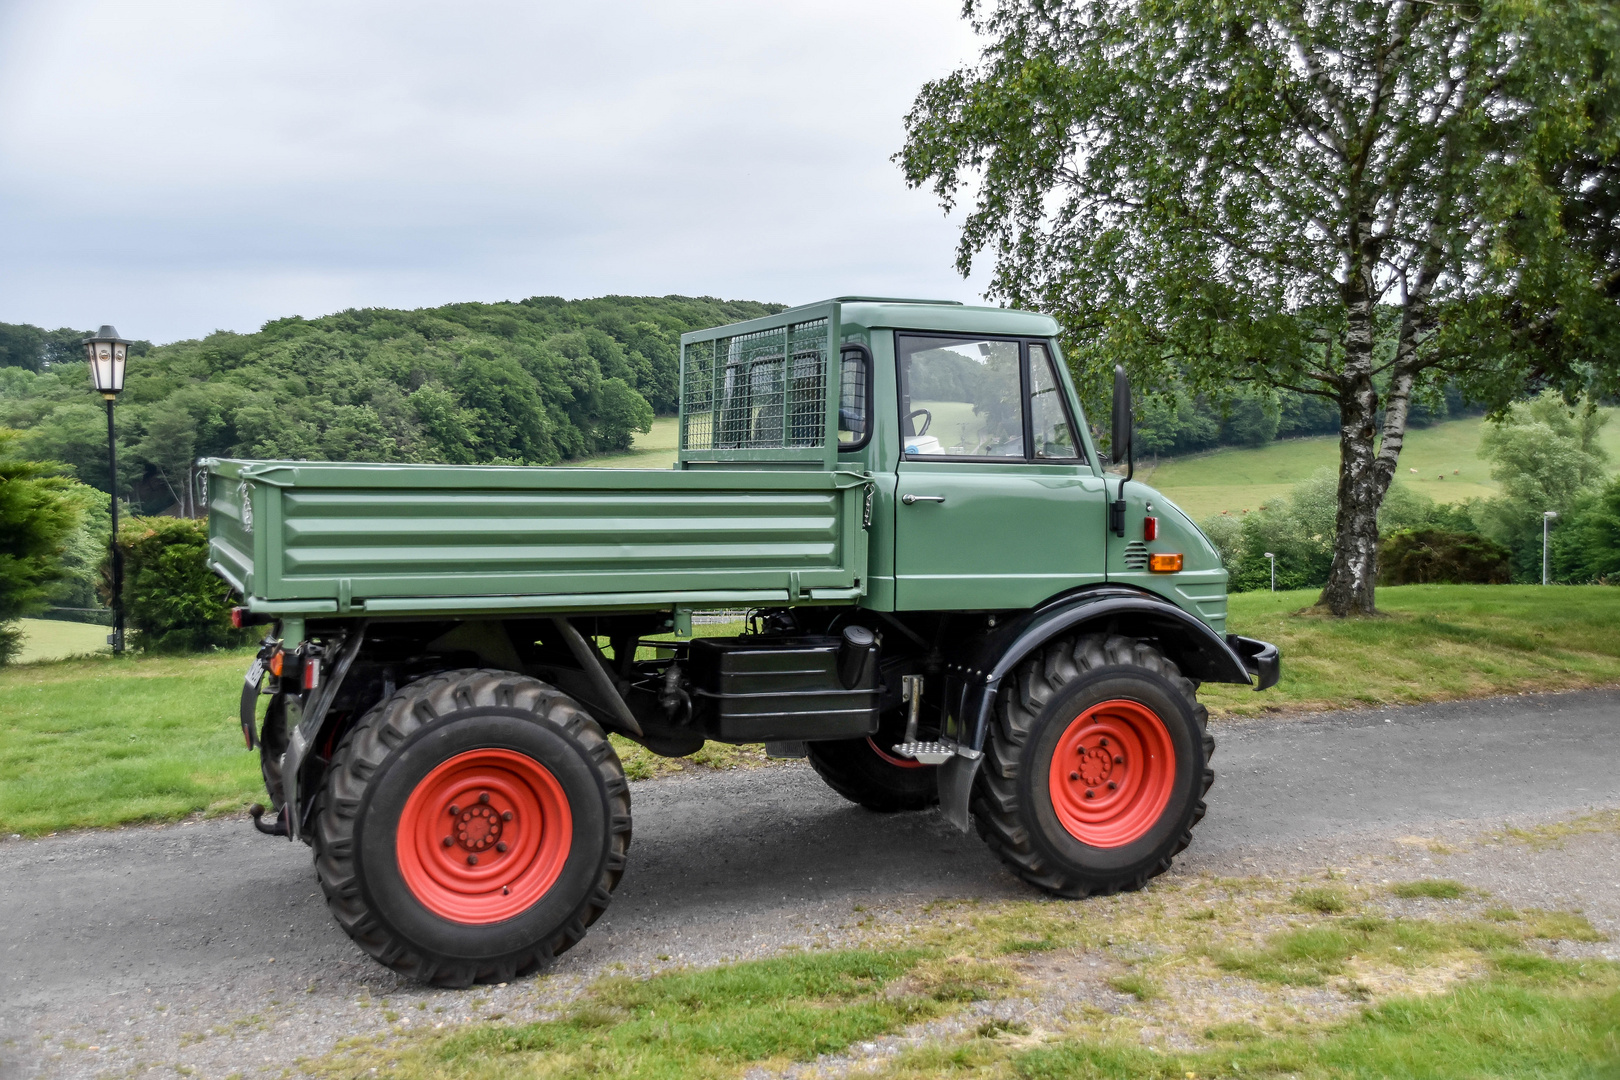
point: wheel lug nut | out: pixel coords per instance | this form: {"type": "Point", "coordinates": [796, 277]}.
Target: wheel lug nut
{"type": "Point", "coordinates": [448, 841]}
{"type": "Point", "coordinates": [501, 846]}
{"type": "Point", "coordinates": [1118, 760]}
{"type": "Point", "coordinates": [506, 890]}
{"type": "Point", "coordinates": [483, 796]}
{"type": "Point", "coordinates": [1074, 776]}
{"type": "Point", "coordinates": [1090, 794]}
{"type": "Point", "coordinates": [472, 860]}
{"type": "Point", "coordinates": [454, 809]}
{"type": "Point", "coordinates": [506, 815]}
{"type": "Point", "coordinates": [1112, 786]}
{"type": "Point", "coordinates": [1102, 742]}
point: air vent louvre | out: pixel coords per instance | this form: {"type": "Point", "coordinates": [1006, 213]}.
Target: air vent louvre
{"type": "Point", "coordinates": [1136, 555]}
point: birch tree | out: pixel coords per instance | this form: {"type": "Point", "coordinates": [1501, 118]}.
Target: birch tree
{"type": "Point", "coordinates": [1352, 200]}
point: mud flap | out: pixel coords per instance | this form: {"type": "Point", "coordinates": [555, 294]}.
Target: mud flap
{"type": "Point", "coordinates": [956, 788]}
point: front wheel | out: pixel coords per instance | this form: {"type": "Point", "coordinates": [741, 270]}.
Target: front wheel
{"type": "Point", "coordinates": [1096, 767]}
{"type": "Point", "coordinates": [472, 826]}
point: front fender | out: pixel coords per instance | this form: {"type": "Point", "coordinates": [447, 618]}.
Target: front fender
{"type": "Point", "coordinates": [1197, 650]}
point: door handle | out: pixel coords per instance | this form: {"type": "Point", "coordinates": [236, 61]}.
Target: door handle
{"type": "Point", "coordinates": [909, 499]}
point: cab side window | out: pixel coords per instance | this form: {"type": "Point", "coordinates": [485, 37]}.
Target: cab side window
{"type": "Point", "coordinates": [960, 398]}
{"type": "Point", "coordinates": [1054, 436]}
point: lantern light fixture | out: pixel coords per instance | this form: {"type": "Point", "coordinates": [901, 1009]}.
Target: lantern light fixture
{"type": "Point", "coordinates": [107, 353]}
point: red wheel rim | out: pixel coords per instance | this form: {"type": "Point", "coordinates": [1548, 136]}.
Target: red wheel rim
{"type": "Point", "coordinates": [1112, 773]}
{"type": "Point", "coordinates": [484, 835]}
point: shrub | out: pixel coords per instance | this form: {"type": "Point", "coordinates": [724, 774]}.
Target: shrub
{"type": "Point", "coordinates": [173, 602]}
{"type": "Point", "coordinates": [1441, 557]}
{"type": "Point", "coordinates": [39, 511]}
{"type": "Point", "coordinates": [1586, 545]}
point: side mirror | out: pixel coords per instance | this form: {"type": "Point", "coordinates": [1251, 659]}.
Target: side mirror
{"type": "Point", "coordinates": [1120, 437]}
{"type": "Point", "coordinates": [1124, 422]}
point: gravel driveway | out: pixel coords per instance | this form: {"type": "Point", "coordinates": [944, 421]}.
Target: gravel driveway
{"type": "Point", "coordinates": [206, 945]}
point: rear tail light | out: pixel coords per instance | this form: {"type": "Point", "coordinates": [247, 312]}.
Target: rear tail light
{"type": "Point", "coordinates": [1150, 528]}
{"type": "Point", "coordinates": [238, 614]}
{"type": "Point", "coordinates": [1165, 563]}
{"type": "Point", "coordinates": [312, 671]}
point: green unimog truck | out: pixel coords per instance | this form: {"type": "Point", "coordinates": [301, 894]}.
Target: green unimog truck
{"type": "Point", "coordinates": [950, 602]}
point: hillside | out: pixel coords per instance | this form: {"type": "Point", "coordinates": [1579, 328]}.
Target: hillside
{"type": "Point", "coordinates": [537, 382]}
{"type": "Point", "coordinates": [1444, 455]}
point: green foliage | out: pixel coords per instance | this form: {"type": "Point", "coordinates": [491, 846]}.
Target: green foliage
{"type": "Point", "coordinates": [173, 602]}
{"type": "Point", "coordinates": [1586, 544]}
{"type": "Point", "coordinates": [40, 511]}
{"type": "Point", "coordinates": [1352, 200]}
{"type": "Point", "coordinates": [1299, 531]}
{"type": "Point", "coordinates": [1441, 557]}
{"type": "Point", "coordinates": [1546, 456]}
{"type": "Point", "coordinates": [535, 382]}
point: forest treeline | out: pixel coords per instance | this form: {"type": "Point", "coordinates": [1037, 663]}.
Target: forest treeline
{"type": "Point", "coordinates": [534, 382]}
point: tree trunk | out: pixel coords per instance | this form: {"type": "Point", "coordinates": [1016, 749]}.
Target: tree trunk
{"type": "Point", "coordinates": [1349, 589]}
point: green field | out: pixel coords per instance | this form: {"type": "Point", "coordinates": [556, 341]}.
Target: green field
{"type": "Point", "coordinates": [654, 450]}
{"type": "Point", "coordinates": [1442, 462]}
{"type": "Point", "coordinates": [50, 639]}
{"type": "Point", "coordinates": [109, 740]}
{"type": "Point", "coordinates": [1445, 457]}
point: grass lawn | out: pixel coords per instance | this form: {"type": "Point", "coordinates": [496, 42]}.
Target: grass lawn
{"type": "Point", "coordinates": [52, 639]}
{"type": "Point", "coordinates": [1411, 992]}
{"type": "Point", "coordinates": [109, 740]}
{"type": "Point", "coordinates": [1435, 642]}
{"type": "Point", "coordinates": [106, 740]}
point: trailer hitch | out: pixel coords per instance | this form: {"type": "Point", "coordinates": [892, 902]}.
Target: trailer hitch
{"type": "Point", "coordinates": [278, 827]}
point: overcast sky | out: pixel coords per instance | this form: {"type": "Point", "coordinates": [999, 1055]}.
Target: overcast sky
{"type": "Point", "coordinates": [173, 168]}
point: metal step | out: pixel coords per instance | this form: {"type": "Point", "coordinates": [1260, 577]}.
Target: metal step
{"type": "Point", "coordinates": [926, 753]}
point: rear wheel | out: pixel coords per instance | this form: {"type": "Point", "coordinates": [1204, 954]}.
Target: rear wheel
{"type": "Point", "coordinates": [867, 772]}
{"type": "Point", "coordinates": [472, 826]}
{"type": "Point", "coordinates": [1096, 767]}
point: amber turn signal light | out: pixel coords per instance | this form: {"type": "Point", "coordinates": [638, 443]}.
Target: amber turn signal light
{"type": "Point", "coordinates": [278, 662]}
{"type": "Point", "coordinates": [1165, 564]}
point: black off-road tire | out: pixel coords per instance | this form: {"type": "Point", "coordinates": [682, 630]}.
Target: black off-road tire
{"type": "Point", "coordinates": [1012, 806]}
{"type": "Point", "coordinates": [856, 770]}
{"type": "Point", "coordinates": [398, 743]}
{"type": "Point", "coordinates": [272, 744]}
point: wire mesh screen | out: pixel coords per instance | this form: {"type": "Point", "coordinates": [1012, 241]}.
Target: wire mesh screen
{"type": "Point", "coordinates": [764, 390]}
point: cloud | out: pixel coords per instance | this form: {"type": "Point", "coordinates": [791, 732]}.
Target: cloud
{"type": "Point", "coordinates": [176, 167]}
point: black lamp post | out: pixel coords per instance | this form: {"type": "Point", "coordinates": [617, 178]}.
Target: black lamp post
{"type": "Point", "coordinates": [107, 353]}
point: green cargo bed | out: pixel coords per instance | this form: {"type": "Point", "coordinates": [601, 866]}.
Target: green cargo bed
{"type": "Point", "coordinates": [312, 538]}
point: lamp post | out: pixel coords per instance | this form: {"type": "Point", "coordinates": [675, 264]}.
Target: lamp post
{"type": "Point", "coordinates": [1273, 559]}
{"type": "Point", "coordinates": [1546, 519]}
{"type": "Point", "coordinates": [107, 353]}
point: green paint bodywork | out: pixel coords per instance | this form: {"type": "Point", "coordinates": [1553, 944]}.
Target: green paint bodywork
{"type": "Point", "coordinates": [739, 528]}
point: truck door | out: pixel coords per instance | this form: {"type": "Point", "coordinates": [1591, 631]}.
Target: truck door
{"type": "Point", "coordinates": [996, 507]}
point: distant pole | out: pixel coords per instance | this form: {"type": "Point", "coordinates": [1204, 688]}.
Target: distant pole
{"type": "Point", "coordinates": [107, 354]}
{"type": "Point", "coordinates": [1273, 559]}
{"type": "Point", "coordinates": [1546, 519]}
{"type": "Point", "coordinates": [117, 638]}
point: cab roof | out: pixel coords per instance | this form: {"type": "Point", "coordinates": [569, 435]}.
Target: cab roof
{"type": "Point", "coordinates": [896, 313]}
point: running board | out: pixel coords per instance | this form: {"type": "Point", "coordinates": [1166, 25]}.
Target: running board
{"type": "Point", "coordinates": [932, 753]}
